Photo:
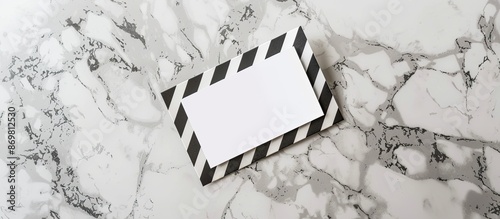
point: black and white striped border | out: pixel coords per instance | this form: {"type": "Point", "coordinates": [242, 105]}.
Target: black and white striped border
{"type": "Point", "coordinates": [293, 38]}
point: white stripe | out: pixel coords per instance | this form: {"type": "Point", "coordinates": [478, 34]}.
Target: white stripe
{"type": "Point", "coordinates": [176, 99]}
{"type": "Point", "coordinates": [200, 163]}
{"type": "Point", "coordinates": [206, 78]}
{"type": "Point", "coordinates": [220, 171]}
{"type": "Point", "coordinates": [187, 134]}
{"type": "Point", "coordinates": [275, 145]}
{"type": "Point", "coordinates": [319, 83]}
{"type": "Point", "coordinates": [302, 132]}
{"type": "Point", "coordinates": [247, 158]}
{"type": "Point", "coordinates": [330, 114]}
{"type": "Point", "coordinates": [306, 56]}
{"type": "Point", "coordinates": [261, 52]}
{"type": "Point", "coordinates": [290, 38]}
{"type": "Point", "coordinates": [233, 65]}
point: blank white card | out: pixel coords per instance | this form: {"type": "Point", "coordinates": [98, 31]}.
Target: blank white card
{"type": "Point", "coordinates": [251, 107]}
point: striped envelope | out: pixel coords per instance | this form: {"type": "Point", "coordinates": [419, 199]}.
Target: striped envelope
{"type": "Point", "coordinates": [294, 38]}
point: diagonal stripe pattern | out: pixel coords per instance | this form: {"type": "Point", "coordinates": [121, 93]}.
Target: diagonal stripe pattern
{"type": "Point", "coordinates": [294, 38]}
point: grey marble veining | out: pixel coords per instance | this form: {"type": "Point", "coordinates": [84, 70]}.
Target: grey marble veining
{"type": "Point", "coordinates": [417, 82]}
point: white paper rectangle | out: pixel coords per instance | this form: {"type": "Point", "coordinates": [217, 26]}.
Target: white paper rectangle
{"type": "Point", "coordinates": [252, 107]}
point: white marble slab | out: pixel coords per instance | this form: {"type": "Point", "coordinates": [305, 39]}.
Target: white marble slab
{"type": "Point", "coordinates": [417, 81]}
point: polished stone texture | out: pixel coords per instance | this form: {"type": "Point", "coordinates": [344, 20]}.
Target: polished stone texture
{"type": "Point", "coordinates": [417, 82]}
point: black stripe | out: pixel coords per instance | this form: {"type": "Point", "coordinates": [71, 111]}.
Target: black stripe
{"type": "Point", "coordinates": [300, 41]}
{"type": "Point", "coordinates": [180, 120]}
{"type": "Point", "coordinates": [325, 98]}
{"type": "Point", "coordinates": [315, 126]}
{"type": "Point", "coordinates": [275, 46]}
{"type": "Point", "coordinates": [261, 151]}
{"type": "Point", "coordinates": [312, 70]}
{"type": "Point", "coordinates": [192, 85]}
{"type": "Point", "coordinates": [324, 102]}
{"type": "Point", "coordinates": [288, 138]}
{"type": "Point", "coordinates": [247, 59]}
{"type": "Point", "coordinates": [220, 72]}
{"type": "Point", "coordinates": [233, 164]}
{"type": "Point", "coordinates": [207, 174]}
{"type": "Point", "coordinates": [338, 117]}
{"type": "Point", "coordinates": [193, 149]}
{"type": "Point", "coordinates": [168, 95]}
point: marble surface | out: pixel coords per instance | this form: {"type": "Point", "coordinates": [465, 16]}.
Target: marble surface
{"type": "Point", "coordinates": [418, 83]}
